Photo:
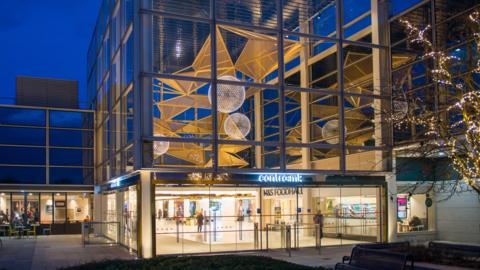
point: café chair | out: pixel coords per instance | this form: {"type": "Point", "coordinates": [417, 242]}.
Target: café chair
{"type": "Point", "coordinates": [32, 231]}
{"type": "Point", "coordinates": [47, 229]}
{"type": "Point", "coordinates": [12, 232]}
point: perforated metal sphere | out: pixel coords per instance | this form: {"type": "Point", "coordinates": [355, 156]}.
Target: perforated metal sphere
{"type": "Point", "coordinates": [331, 129]}
{"type": "Point", "coordinates": [400, 109]}
{"type": "Point", "coordinates": [160, 147]}
{"type": "Point", "coordinates": [229, 97]}
{"type": "Point", "coordinates": [237, 126]}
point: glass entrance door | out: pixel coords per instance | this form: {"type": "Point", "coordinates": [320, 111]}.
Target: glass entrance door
{"type": "Point", "coordinates": [205, 219]}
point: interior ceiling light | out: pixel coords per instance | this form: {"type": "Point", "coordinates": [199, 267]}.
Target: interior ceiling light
{"type": "Point", "coordinates": [229, 97]}
{"type": "Point", "coordinates": [237, 126]}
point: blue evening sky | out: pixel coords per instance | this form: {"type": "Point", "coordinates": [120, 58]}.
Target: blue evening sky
{"type": "Point", "coordinates": [45, 38]}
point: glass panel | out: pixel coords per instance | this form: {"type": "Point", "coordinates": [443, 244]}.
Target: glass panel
{"type": "Point", "coordinates": [66, 119]}
{"type": "Point", "coordinates": [279, 208]}
{"type": "Point", "coordinates": [46, 208]}
{"type": "Point", "coordinates": [249, 55]}
{"type": "Point", "coordinates": [22, 117]}
{"type": "Point", "coordinates": [330, 204]}
{"type": "Point", "coordinates": [128, 13]}
{"type": "Point", "coordinates": [250, 12]}
{"type": "Point", "coordinates": [32, 208]}
{"type": "Point", "coordinates": [19, 215]}
{"type": "Point", "coordinates": [78, 207]}
{"type": "Point", "coordinates": [356, 20]}
{"type": "Point", "coordinates": [22, 155]}
{"type": "Point", "coordinates": [71, 157]}
{"type": "Point", "coordinates": [398, 6]}
{"type": "Point", "coordinates": [363, 121]}
{"type": "Point", "coordinates": [22, 136]}
{"type": "Point", "coordinates": [324, 122]}
{"type": "Point", "coordinates": [71, 176]}
{"type": "Point", "coordinates": [190, 8]}
{"type": "Point", "coordinates": [22, 175]}
{"type": "Point", "coordinates": [71, 138]}
{"type": "Point", "coordinates": [128, 61]}
{"type": "Point", "coordinates": [367, 159]}
{"type": "Point", "coordinates": [181, 47]}
{"type": "Point", "coordinates": [130, 218]}
{"type": "Point", "coordinates": [59, 208]}
{"type": "Point", "coordinates": [181, 109]}
{"type": "Point", "coordinates": [5, 208]}
{"type": "Point", "coordinates": [128, 122]}
{"type": "Point", "coordinates": [196, 219]}
{"type": "Point", "coordinates": [317, 17]}
{"type": "Point", "coordinates": [179, 154]}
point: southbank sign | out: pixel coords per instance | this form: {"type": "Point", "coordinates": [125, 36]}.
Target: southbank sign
{"type": "Point", "coordinates": [280, 178]}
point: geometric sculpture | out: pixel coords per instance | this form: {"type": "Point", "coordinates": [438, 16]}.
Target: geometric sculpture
{"type": "Point", "coordinates": [229, 97]}
{"type": "Point", "coordinates": [160, 147]}
{"type": "Point", "coordinates": [330, 129]}
{"type": "Point", "coordinates": [237, 126]}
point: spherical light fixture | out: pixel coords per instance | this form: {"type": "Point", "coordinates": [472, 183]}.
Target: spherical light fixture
{"type": "Point", "coordinates": [400, 110]}
{"type": "Point", "coordinates": [160, 147]}
{"type": "Point", "coordinates": [229, 97]}
{"type": "Point", "coordinates": [331, 129]}
{"type": "Point", "coordinates": [237, 126]}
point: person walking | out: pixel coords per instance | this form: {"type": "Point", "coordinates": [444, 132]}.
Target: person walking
{"type": "Point", "coordinates": [200, 219]}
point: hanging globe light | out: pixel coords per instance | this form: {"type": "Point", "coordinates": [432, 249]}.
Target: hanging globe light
{"type": "Point", "coordinates": [237, 126]}
{"type": "Point", "coordinates": [229, 97]}
{"type": "Point", "coordinates": [160, 147]}
{"type": "Point", "coordinates": [331, 129]}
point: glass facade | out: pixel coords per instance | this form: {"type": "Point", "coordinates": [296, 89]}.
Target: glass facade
{"type": "Point", "coordinates": [46, 146]}
{"type": "Point", "coordinates": [200, 219]}
{"type": "Point", "coordinates": [60, 212]}
{"type": "Point", "coordinates": [245, 87]}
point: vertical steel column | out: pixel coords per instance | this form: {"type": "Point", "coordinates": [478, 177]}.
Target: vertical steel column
{"type": "Point", "coordinates": [434, 49]}
{"type": "Point", "coordinates": [47, 147]}
{"type": "Point", "coordinates": [281, 84]}
{"type": "Point", "coordinates": [213, 83]}
{"type": "Point", "coordinates": [341, 84]}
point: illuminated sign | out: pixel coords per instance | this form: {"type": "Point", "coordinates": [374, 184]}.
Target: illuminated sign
{"type": "Point", "coordinates": [280, 178]}
{"type": "Point", "coordinates": [268, 192]}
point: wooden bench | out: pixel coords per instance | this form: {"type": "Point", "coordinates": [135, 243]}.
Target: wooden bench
{"type": "Point", "coordinates": [377, 259]}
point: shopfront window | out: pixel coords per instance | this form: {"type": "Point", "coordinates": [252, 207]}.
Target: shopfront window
{"type": "Point", "coordinates": [78, 207]}
{"type": "Point", "coordinates": [201, 219]}
{"type": "Point", "coordinates": [412, 212]}
{"type": "Point", "coordinates": [46, 208]}
{"type": "Point", "coordinates": [5, 209]}
{"type": "Point", "coordinates": [59, 208]}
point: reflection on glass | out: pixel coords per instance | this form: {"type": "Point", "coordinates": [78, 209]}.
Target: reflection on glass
{"type": "Point", "coordinates": [46, 208]}
{"type": "Point", "coordinates": [78, 207]}
{"type": "Point", "coordinates": [59, 208]}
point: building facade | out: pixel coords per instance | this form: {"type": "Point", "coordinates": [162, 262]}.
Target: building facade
{"type": "Point", "coordinates": [46, 167]}
{"type": "Point", "coordinates": [220, 123]}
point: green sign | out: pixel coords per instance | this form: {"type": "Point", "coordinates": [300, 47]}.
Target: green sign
{"type": "Point", "coordinates": [428, 202]}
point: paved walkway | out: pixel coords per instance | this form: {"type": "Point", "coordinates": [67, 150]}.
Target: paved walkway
{"type": "Point", "coordinates": [52, 252]}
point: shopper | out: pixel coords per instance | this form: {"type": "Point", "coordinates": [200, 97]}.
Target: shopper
{"type": "Point", "coordinates": [200, 219]}
{"type": "Point", "coordinates": [318, 220]}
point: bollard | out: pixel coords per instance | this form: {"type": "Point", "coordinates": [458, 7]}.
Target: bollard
{"type": "Point", "coordinates": [255, 235]}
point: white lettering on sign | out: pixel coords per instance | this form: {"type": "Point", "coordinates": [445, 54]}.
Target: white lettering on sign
{"type": "Point", "coordinates": [280, 178]}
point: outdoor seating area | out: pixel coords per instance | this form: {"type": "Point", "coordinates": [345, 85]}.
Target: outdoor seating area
{"type": "Point", "coordinates": [23, 224]}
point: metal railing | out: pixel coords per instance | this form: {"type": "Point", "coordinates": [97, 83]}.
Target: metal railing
{"type": "Point", "coordinates": [100, 233]}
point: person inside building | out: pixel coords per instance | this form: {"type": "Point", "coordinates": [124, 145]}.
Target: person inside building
{"type": "Point", "coordinates": [199, 221]}
{"type": "Point", "coordinates": [318, 220]}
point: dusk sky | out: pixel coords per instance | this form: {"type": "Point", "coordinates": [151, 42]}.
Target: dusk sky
{"type": "Point", "coordinates": [45, 38]}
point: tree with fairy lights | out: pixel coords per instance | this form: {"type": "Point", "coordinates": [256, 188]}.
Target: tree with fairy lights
{"type": "Point", "coordinates": [452, 130]}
